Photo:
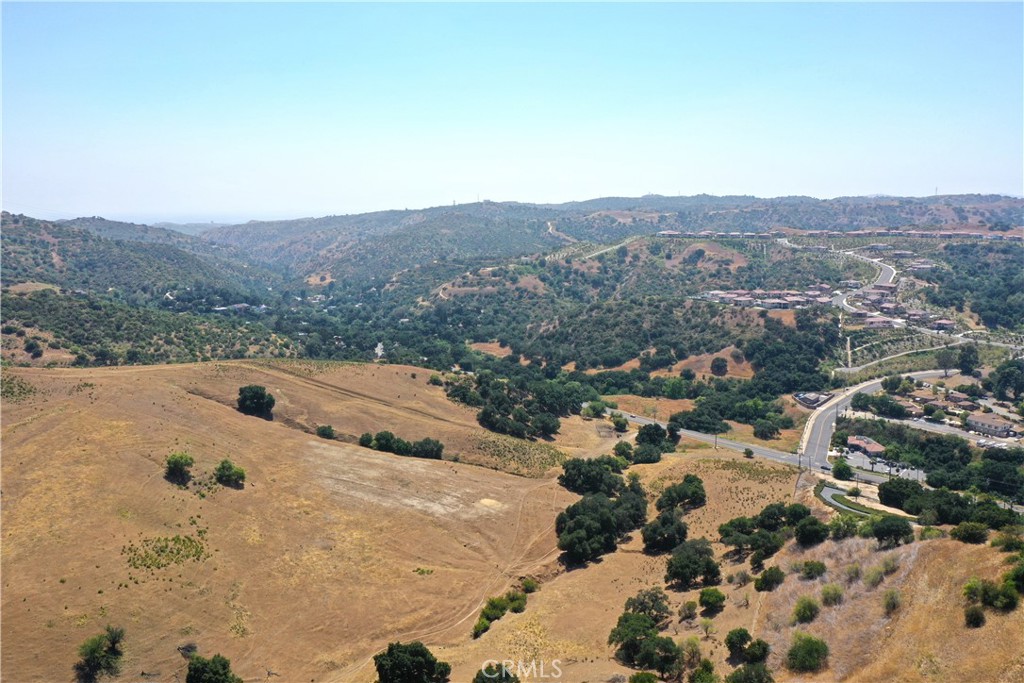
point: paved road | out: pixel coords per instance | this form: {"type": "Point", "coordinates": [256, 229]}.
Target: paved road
{"type": "Point", "coordinates": [886, 276]}
{"type": "Point", "coordinates": [760, 451]}
{"type": "Point", "coordinates": [821, 424]}
{"type": "Point", "coordinates": [829, 492]}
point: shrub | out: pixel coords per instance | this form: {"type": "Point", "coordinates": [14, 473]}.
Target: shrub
{"type": "Point", "coordinates": [807, 653]}
{"type": "Point", "coordinates": [843, 526]}
{"type": "Point", "coordinates": [704, 673]}
{"type": "Point", "coordinates": [712, 599]}
{"type": "Point", "coordinates": [690, 651]}
{"type": "Point", "coordinates": [410, 662]}
{"type": "Point", "coordinates": [530, 585]}
{"type": "Point", "coordinates": [229, 474]}
{"type": "Point", "coordinates": [988, 593]}
{"type": "Point", "coordinates": [428, 448]}
{"type": "Point", "coordinates": [495, 608]}
{"type": "Point", "coordinates": [742, 578]}
{"type": "Point", "coordinates": [750, 673]}
{"type": "Point", "coordinates": [809, 531]}
{"type": "Point", "coordinates": [643, 677]}
{"type": "Point", "coordinates": [806, 610]}
{"type": "Point", "coordinates": [737, 640]}
{"type": "Point", "coordinates": [929, 533]}
{"type": "Point", "coordinates": [325, 431]}
{"type": "Point", "coordinates": [974, 616]}
{"type": "Point", "coordinates": [890, 564]}
{"type": "Point", "coordinates": [831, 594]}
{"type": "Point", "coordinates": [842, 470]}
{"type": "Point", "coordinates": [254, 400]}
{"type": "Point", "coordinates": [178, 465]}
{"type": "Point", "coordinates": [769, 580]}
{"type": "Point", "coordinates": [970, 532]}
{"type": "Point", "coordinates": [892, 531]}
{"type": "Point", "coordinates": [216, 669]}
{"type": "Point", "coordinates": [623, 449]}
{"type": "Point", "coordinates": [1009, 540]}
{"type": "Point", "coordinates": [852, 573]}
{"type": "Point", "coordinates": [891, 601]}
{"type": "Point", "coordinates": [645, 454]}
{"type": "Point", "coordinates": [481, 627]}
{"type": "Point", "coordinates": [757, 651]}
{"type": "Point", "coordinates": [688, 611]}
{"type": "Point", "coordinates": [707, 626]}
{"type": "Point", "coordinates": [516, 601]}
{"type": "Point", "coordinates": [812, 569]}
{"type": "Point", "coordinates": [873, 577]}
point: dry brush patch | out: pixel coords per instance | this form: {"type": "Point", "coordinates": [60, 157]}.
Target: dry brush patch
{"type": "Point", "coordinates": [924, 640]}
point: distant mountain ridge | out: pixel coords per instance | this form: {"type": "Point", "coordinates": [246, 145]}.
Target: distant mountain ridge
{"type": "Point", "coordinates": [382, 243]}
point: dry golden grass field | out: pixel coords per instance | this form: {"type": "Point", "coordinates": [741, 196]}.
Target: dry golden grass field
{"type": "Point", "coordinates": [330, 551]}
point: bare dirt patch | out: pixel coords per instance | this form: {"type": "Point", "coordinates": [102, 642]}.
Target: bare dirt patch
{"type": "Point", "coordinates": [28, 287]}
{"type": "Point", "coordinates": [715, 254]}
{"type": "Point", "coordinates": [493, 348]}
{"type": "Point", "coordinates": [701, 365]}
{"type": "Point", "coordinates": [320, 279]}
{"type": "Point", "coordinates": [655, 408]}
{"type": "Point", "coordinates": [787, 317]}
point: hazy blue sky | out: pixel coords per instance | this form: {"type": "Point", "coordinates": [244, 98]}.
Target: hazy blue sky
{"type": "Point", "coordinates": [235, 111]}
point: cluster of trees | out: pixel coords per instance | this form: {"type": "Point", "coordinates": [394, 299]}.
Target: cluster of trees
{"type": "Point", "coordinates": [99, 330]}
{"type": "Point", "coordinates": [408, 663]}
{"type": "Point", "coordinates": [668, 531]}
{"type": "Point", "coordinates": [987, 277]}
{"type": "Point", "coordinates": [513, 601]}
{"type": "Point", "coordinates": [389, 443]}
{"type": "Point", "coordinates": [942, 506]}
{"type": "Point", "coordinates": [1007, 380]}
{"type": "Point", "coordinates": [639, 643]}
{"type": "Point", "coordinates": [881, 404]}
{"type": "Point", "coordinates": [948, 460]}
{"type": "Point", "coordinates": [521, 407]}
{"type": "Point", "coordinates": [593, 526]}
{"type": "Point", "coordinates": [1004, 595]}
{"type": "Point", "coordinates": [763, 535]}
{"type": "Point", "coordinates": [100, 655]}
{"type": "Point", "coordinates": [636, 634]}
{"type": "Point", "coordinates": [216, 669]}
{"type": "Point", "coordinates": [229, 474]}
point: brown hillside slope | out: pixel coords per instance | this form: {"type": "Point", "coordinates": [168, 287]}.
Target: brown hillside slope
{"type": "Point", "coordinates": [924, 641]}
{"type": "Point", "coordinates": [307, 571]}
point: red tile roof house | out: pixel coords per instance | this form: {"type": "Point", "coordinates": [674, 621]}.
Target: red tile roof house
{"type": "Point", "coordinates": [865, 445]}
